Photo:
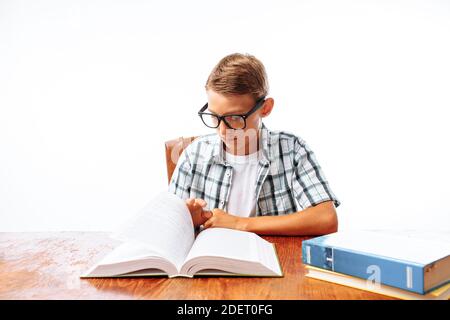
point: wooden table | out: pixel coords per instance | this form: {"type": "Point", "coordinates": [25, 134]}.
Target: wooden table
{"type": "Point", "coordinates": [48, 265]}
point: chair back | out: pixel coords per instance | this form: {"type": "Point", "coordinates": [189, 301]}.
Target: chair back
{"type": "Point", "coordinates": [174, 148]}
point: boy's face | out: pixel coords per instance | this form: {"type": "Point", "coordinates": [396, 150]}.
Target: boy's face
{"type": "Point", "coordinates": [240, 141]}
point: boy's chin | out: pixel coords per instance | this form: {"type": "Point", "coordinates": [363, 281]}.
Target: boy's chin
{"type": "Point", "coordinates": [228, 145]}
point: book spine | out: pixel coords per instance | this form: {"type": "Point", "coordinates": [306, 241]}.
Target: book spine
{"type": "Point", "coordinates": [376, 269]}
{"type": "Point", "coordinates": [179, 275]}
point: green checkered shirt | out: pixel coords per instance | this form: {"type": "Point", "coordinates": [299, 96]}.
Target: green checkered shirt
{"type": "Point", "coordinates": [289, 178]}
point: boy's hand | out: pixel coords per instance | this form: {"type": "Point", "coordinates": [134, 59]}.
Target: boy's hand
{"type": "Point", "coordinates": [223, 219]}
{"type": "Point", "coordinates": [199, 216]}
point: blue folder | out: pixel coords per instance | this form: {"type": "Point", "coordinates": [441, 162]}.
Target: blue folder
{"type": "Point", "coordinates": [416, 264]}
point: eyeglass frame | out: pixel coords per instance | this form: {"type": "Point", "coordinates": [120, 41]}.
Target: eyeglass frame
{"type": "Point", "coordinates": [259, 104]}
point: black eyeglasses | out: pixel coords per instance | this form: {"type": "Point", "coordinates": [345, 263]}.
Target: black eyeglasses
{"type": "Point", "coordinates": [232, 121]}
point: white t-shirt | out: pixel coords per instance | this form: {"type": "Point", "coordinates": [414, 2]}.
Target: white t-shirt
{"type": "Point", "coordinates": [241, 201]}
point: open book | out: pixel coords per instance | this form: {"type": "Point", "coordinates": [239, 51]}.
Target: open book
{"type": "Point", "coordinates": [160, 241]}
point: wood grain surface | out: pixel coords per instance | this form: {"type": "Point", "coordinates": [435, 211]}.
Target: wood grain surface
{"type": "Point", "coordinates": [48, 266]}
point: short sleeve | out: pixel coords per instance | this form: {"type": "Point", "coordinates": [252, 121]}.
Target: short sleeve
{"type": "Point", "coordinates": [181, 180]}
{"type": "Point", "coordinates": [310, 186]}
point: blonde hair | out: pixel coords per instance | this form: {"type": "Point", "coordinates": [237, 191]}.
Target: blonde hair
{"type": "Point", "coordinates": [238, 74]}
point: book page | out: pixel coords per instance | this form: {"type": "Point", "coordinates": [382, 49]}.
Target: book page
{"type": "Point", "coordinates": [442, 293]}
{"type": "Point", "coordinates": [128, 251]}
{"type": "Point", "coordinates": [227, 243]}
{"type": "Point", "coordinates": [268, 256]}
{"type": "Point", "coordinates": [163, 226]}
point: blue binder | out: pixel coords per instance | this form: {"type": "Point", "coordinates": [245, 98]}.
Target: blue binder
{"type": "Point", "coordinates": [393, 260]}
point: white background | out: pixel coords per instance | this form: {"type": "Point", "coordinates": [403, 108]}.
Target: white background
{"type": "Point", "coordinates": [90, 90]}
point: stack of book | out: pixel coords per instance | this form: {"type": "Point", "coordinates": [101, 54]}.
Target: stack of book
{"type": "Point", "coordinates": [405, 265]}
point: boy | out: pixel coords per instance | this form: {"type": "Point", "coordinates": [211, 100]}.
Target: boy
{"type": "Point", "coordinates": [244, 176]}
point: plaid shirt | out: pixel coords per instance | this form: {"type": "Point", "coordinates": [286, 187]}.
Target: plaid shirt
{"type": "Point", "coordinates": [289, 178]}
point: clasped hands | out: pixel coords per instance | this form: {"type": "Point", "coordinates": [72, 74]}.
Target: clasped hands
{"type": "Point", "coordinates": [213, 218]}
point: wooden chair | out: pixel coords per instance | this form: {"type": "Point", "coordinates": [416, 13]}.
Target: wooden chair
{"type": "Point", "coordinates": [174, 148]}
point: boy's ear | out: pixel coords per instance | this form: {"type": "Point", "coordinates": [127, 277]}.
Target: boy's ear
{"type": "Point", "coordinates": [267, 109]}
